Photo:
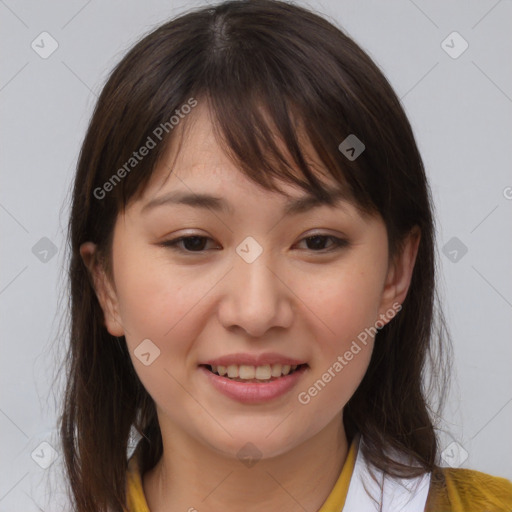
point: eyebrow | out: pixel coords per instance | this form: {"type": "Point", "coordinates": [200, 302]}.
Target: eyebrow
{"type": "Point", "coordinates": [293, 206]}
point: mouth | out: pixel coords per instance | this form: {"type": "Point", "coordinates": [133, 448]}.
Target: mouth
{"type": "Point", "coordinates": [255, 374]}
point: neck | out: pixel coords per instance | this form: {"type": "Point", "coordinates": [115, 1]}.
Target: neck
{"type": "Point", "coordinates": [190, 476]}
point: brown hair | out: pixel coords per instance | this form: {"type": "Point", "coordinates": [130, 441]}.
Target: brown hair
{"type": "Point", "coordinates": [264, 67]}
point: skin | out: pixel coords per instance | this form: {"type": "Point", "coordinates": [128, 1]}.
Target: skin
{"type": "Point", "coordinates": [295, 299]}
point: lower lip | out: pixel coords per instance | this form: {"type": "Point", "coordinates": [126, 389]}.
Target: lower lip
{"type": "Point", "coordinates": [253, 392]}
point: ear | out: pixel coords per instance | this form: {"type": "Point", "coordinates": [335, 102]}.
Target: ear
{"type": "Point", "coordinates": [399, 274]}
{"type": "Point", "coordinates": [104, 289]}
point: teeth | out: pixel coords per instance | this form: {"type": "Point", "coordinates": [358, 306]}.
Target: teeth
{"type": "Point", "coordinates": [276, 370]}
{"type": "Point", "coordinates": [263, 372]}
{"type": "Point", "coordinates": [246, 372]}
{"type": "Point", "coordinates": [249, 372]}
{"type": "Point", "coordinates": [232, 371]}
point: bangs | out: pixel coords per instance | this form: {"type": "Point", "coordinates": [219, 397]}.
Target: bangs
{"type": "Point", "coordinates": [278, 107]}
{"type": "Point", "coordinates": [270, 143]}
{"type": "Point", "coordinates": [278, 110]}
{"type": "Point", "coordinates": [282, 97]}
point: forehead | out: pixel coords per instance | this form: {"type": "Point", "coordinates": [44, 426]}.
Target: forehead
{"type": "Point", "coordinates": [197, 156]}
{"type": "Point", "coordinates": [223, 188]}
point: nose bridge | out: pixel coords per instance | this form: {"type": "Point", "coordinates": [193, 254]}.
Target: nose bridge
{"type": "Point", "coordinates": [252, 275]}
{"type": "Point", "coordinates": [257, 298]}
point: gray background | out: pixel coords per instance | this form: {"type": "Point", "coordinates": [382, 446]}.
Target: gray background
{"type": "Point", "coordinates": [461, 112]}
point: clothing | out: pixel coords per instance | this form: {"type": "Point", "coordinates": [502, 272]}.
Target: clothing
{"type": "Point", "coordinates": [446, 490]}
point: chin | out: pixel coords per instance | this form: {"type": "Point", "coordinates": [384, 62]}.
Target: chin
{"type": "Point", "coordinates": [255, 442]}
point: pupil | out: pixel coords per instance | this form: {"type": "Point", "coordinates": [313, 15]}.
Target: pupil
{"type": "Point", "coordinates": [189, 245]}
{"type": "Point", "coordinates": [318, 238]}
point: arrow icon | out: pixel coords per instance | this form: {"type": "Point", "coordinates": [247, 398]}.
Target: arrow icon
{"type": "Point", "coordinates": [44, 455]}
{"type": "Point", "coordinates": [249, 249]}
{"type": "Point", "coordinates": [146, 352]}
{"type": "Point", "coordinates": [454, 45]}
{"type": "Point", "coordinates": [351, 147]}
{"type": "Point", "coordinates": [454, 454]}
{"type": "Point", "coordinates": [44, 250]}
{"type": "Point", "coordinates": [249, 455]}
{"type": "Point", "coordinates": [455, 249]}
{"type": "Point", "coordinates": [44, 45]}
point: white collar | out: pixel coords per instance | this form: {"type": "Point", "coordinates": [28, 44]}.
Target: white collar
{"type": "Point", "coordinates": [398, 495]}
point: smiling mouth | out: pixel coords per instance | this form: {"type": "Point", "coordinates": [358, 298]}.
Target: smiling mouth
{"type": "Point", "coordinates": [259, 374]}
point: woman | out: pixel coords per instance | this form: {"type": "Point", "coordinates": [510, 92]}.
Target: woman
{"type": "Point", "coordinates": [252, 280]}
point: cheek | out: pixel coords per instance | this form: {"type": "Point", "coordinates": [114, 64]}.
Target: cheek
{"type": "Point", "coordinates": [157, 306]}
{"type": "Point", "coordinates": [341, 356]}
{"type": "Point", "coordinates": [343, 308]}
{"type": "Point", "coordinates": [343, 302]}
{"type": "Point", "coordinates": [155, 297]}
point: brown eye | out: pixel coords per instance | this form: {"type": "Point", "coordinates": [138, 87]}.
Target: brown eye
{"type": "Point", "coordinates": [190, 243]}
{"type": "Point", "coordinates": [196, 243]}
{"type": "Point", "coordinates": [316, 243]}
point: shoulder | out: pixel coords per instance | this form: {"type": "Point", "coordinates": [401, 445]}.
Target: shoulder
{"type": "Point", "coordinates": [460, 490]}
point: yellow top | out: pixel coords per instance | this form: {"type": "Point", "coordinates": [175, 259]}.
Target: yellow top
{"type": "Point", "coordinates": [451, 490]}
{"type": "Point", "coordinates": [466, 490]}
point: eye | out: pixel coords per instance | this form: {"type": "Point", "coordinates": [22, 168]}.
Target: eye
{"type": "Point", "coordinates": [318, 241]}
{"type": "Point", "coordinates": [196, 243]}
{"type": "Point", "coordinates": [193, 243]}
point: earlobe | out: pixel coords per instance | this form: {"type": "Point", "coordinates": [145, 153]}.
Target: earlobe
{"type": "Point", "coordinates": [400, 271]}
{"type": "Point", "coordinates": [103, 288]}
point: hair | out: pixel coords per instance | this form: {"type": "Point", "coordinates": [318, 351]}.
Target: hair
{"type": "Point", "coordinates": [268, 71]}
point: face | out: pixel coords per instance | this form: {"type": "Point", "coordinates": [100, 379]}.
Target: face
{"type": "Point", "coordinates": [253, 292]}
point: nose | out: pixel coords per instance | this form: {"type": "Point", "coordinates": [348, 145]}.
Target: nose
{"type": "Point", "coordinates": [256, 297]}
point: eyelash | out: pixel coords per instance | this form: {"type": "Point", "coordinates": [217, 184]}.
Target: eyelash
{"type": "Point", "coordinates": [338, 243]}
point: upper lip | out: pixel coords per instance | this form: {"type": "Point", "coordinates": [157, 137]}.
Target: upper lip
{"type": "Point", "coordinates": [253, 360]}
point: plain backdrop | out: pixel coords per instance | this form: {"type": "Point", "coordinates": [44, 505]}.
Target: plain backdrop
{"type": "Point", "coordinates": [459, 102]}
